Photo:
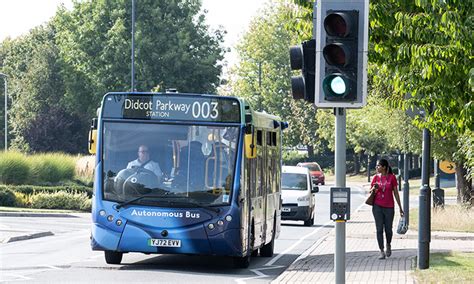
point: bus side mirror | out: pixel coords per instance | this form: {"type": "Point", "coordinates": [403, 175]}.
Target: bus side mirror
{"type": "Point", "coordinates": [250, 149]}
{"type": "Point", "coordinates": [93, 137]}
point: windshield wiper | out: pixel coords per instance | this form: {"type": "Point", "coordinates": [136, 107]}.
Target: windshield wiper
{"type": "Point", "coordinates": [187, 202]}
{"type": "Point", "coordinates": [172, 202]}
{"type": "Point", "coordinates": [125, 203]}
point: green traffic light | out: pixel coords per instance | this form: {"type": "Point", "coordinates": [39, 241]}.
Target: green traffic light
{"type": "Point", "coordinates": [338, 86]}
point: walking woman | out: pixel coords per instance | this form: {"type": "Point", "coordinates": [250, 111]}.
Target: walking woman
{"type": "Point", "coordinates": [385, 185]}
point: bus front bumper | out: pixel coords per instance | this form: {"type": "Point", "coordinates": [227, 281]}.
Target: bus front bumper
{"type": "Point", "coordinates": [188, 240]}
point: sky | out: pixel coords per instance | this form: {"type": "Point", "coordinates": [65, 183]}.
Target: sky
{"type": "Point", "coordinates": [17, 17]}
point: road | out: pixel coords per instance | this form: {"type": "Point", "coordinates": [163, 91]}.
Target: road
{"type": "Point", "coordinates": [67, 257]}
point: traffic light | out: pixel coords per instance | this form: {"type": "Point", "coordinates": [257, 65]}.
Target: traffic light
{"type": "Point", "coordinates": [303, 57]}
{"type": "Point", "coordinates": [341, 53]}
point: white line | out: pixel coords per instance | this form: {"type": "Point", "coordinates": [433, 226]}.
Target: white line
{"type": "Point", "coordinates": [17, 276]}
{"type": "Point", "coordinates": [269, 264]}
{"type": "Point", "coordinates": [276, 258]}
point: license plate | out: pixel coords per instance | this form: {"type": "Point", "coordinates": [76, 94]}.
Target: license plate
{"type": "Point", "coordinates": [286, 209]}
{"type": "Point", "coordinates": [164, 243]}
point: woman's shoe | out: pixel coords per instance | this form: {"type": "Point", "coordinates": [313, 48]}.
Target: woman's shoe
{"type": "Point", "coordinates": [389, 250]}
{"type": "Point", "coordinates": [382, 255]}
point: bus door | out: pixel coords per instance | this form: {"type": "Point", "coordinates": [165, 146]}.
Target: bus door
{"type": "Point", "coordinates": [265, 185]}
{"type": "Point", "coordinates": [258, 205]}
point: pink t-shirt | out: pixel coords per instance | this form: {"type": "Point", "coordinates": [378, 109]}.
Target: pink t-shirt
{"type": "Point", "coordinates": [384, 194]}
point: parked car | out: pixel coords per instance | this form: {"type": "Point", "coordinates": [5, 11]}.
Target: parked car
{"type": "Point", "coordinates": [298, 198]}
{"type": "Point", "coordinates": [317, 174]}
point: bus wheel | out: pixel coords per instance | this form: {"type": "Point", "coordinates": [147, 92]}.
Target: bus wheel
{"type": "Point", "coordinates": [267, 250]}
{"type": "Point", "coordinates": [241, 262]}
{"type": "Point", "coordinates": [113, 257]}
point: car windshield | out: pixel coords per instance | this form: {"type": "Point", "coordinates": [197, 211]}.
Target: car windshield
{"type": "Point", "coordinates": [192, 163]}
{"type": "Point", "coordinates": [312, 167]}
{"type": "Point", "coordinates": [294, 181]}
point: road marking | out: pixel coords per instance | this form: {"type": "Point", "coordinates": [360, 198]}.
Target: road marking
{"type": "Point", "coordinates": [269, 264]}
{"type": "Point", "coordinates": [18, 276]}
{"type": "Point", "coordinates": [276, 258]}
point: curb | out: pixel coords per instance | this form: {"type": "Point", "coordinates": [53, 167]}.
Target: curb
{"type": "Point", "coordinates": [30, 214]}
{"type": "Point", "coordinates": [28, 237]}
{"type": "Point", "coordinates": [413, 237]}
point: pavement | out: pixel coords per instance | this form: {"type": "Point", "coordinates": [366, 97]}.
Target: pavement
{"type": "Point", "coordinates": [316, 265]}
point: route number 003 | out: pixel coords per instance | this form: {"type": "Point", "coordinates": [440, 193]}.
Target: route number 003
{"type": "Point", "coordinates": [205, 110]}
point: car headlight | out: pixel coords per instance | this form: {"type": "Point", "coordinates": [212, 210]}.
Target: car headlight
{"type": "Point", "coordinates": [303, 198]}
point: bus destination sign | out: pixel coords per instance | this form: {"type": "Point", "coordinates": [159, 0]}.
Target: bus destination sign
{"type": "Point", "coordinates": [172, 107]}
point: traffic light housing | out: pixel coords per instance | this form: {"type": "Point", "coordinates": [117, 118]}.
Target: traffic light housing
{"type": "Point", "coordinates": [341, 53]}
{"type": "Point", "coordinates": [303, 57]}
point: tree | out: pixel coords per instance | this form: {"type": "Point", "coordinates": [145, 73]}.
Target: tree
{"type": "Point", "coordinates": [263, 74]}
{"type": "Point", "coordinates": [425, 49]}
{"type": "Point", "coordinates": [69, 64]}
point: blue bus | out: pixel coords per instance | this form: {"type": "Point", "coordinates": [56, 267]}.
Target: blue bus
{"type": "Point", "coordinates": [185, 174]}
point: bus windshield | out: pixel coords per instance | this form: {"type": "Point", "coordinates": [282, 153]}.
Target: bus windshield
{"type": "Point", "coordinates": [170, 165]}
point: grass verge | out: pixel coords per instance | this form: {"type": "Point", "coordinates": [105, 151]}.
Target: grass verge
{"type": "Point", "coordinates": [453, 218]}
{"type": "Point", "coordinates": [448, 268]}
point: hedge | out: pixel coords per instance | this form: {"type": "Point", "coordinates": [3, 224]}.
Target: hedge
{"type": "Point", "coordinates": [7, 197]}
{"type": "Point", "coordinates": [34, 189]}
{"type": "Point", "coordinates": [61, 200]}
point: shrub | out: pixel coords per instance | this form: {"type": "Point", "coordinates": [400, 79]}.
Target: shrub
{"type": "Point", "coordinates": [51, 168]}
{"type": "Point", "coordinates": [86, 205]}
{"type": "Point", "coordinates": [14, 168]}
{"type": "Point", "coordinates": [22, 200]}
{"type": "Point", "coordinates": [84, 171]}
{"type": "Point", "coordinates": [34, 189]}
{"type": "Point", "coordinates": [59, 200]}
{"type": "Point", "coordinates": [7, 198]}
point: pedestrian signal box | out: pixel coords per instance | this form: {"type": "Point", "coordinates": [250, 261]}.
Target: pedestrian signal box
{"type": "Point", "coordinates": [340, 203]}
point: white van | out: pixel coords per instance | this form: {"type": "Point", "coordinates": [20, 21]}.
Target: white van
{"type": "Point", "coordinates": [297, 195]}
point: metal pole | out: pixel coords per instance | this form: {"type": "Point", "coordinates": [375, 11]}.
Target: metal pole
{"type": "Point", "coordinates": [406, 188]}
{"type": "Point", "coordinates": [340, 173]}
{"type": "Point", "coordinates": [438, 193]}
{"type": "Point", "coordinates": [133, 46]}
{"type": "Point", "coordinates": [368, 167]}
{"type": "Point", "coordinates": [6, 109]}
{"type": "Point", "coordinates": [424, 226]}
{"type": "Point", "coordinates": [399, 173]}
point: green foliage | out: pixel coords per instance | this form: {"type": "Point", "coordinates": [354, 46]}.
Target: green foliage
{"type": "Point", "coordinates": [59, 72]}
{"type": "Point", "coordinates": [7, 198]}
{"type": "Point", "coordinates": [263, 74]}
{"type": "Point", "coordinates": [52, 168]}
{"type": "Point", "coordinates": [14, 168]}
{"type": "Point", "coordinates": [60, 200]}
{"type": "Point", "coordinates": [21, 199]}
{"type": "Point", "coordinates": [33, 189]}
{"type": "Point", "coordinates": [291, 158]}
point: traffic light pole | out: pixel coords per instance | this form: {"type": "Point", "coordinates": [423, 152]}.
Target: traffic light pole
{"type": "Point", "coordinates": [340, 173]}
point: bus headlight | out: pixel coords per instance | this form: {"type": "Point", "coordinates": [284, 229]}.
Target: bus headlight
{"type": "Point", "coordinates": [102, 213]}
{"type": "Point", "coordinates": [228, 218]}
{"type": "Point", "coordinates": [110, 218]}
{"type": "Point", "coordinates": [220, 223]}
{"type": "Point", "coordinates": [211, 226]}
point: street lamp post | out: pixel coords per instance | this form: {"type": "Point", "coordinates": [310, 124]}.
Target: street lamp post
{"type": "Point", "coordinates": [6, 110]}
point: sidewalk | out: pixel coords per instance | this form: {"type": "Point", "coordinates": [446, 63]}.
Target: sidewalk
{"type": "Point", "coordinates": [362, 264]}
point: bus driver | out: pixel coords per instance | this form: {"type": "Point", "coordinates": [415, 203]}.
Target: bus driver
{"type": "Point", "coordinates": [145, 162]}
